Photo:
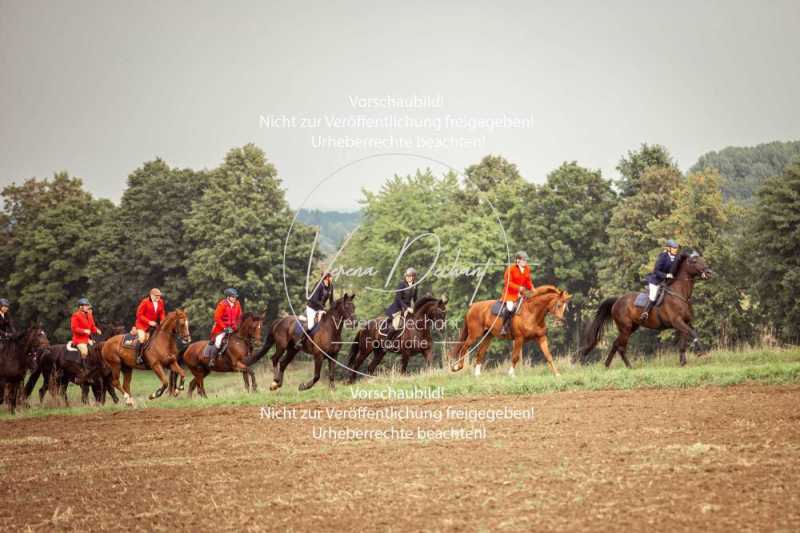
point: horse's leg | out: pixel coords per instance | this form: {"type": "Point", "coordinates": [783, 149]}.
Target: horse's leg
{"type": "Point", "coordinates": [331, 371]}
{"type": "Point", "coordinates": [127, 374]}
{"type": "Point", "coordinates": [198, 377]}
{"type": "Point", "coordinates": [159, 371]}
{"type": "Point", "coordinates": [201, 381]}
{"type": "Point", "coordinates": [277, 381]}
{"type": "Point", "coordinates": [63, 382]}
{"type": "Point", "coordinates": [253, 385]}
{"type": "Point", "coordinates": [192, 386]}
{"type": "Point", "coordinates": [463, 352]}
{"type": "Point", "coordinates": [317, 371]}
{"type": "Point", "coordinates": [620, 346]}
{"type": "Point", "coordinates": [246, 380]}
{"type": "Point", "coordinates": [404, 357]}
{"type": "Point", "coordinates": [545, 350]}
{"type": "Point", "coordinates": [686, 331]}
{"type": "Point", "coordinates": [479, 357]}
{"type": "Point", "coordinates": [85, 393]}
{"type": "Point", "coordinates": [175, 369]}
{"type": "Point", "coordinates": [377, 357]}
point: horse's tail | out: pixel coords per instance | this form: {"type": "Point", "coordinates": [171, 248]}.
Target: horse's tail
{"type": "Point", "coordinates": [594, 332]}
{"type": "Point", "coordinates": [31, 383]}
{"type": "Point", "coordinates": [268, 343]}
{"type": "Point", "coordinates": [355, 347]}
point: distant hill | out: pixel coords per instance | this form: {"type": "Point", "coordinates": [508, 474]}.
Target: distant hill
{"type": "Point", "coordinates": [333, 226]}
{"type": "Point", "coordinates": [744, 168]}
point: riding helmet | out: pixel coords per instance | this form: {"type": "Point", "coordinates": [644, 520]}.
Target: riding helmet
{"type": "Point", "coordinates": [4, 303]}
{"type": "Point", "coordinates": [84, 301]}
{"type": "Point", "coordinates": [671, 243]}
{"type": "Point", "coordinates": [230, 291]}
{"type": "Point", "coordinates": [521, 255]}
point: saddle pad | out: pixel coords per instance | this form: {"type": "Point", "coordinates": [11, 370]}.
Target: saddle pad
{"type": "Point", "coordinates": [130, 341]}
{"type": "Point", "coordinates": [641, 300]}
{"type": "Point", "coordinates": [209, 350]}
{"type": "Point", "coordinates": [497, 307]}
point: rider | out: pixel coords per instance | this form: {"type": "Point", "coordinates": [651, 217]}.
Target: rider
{"type": "Point", "coordinates": [6, 326]}
{"type": "Point", "coordinates": [661, 272]}
{"type": "Point", "coordinates": [315, 305]}
{"type": "Point", "coordinates": [516, 278]}
{"type": "Point", "coordinates": [83, 327]}
{"type": "Point", "coordinates": [405, 296]}
{"type": "Point", "coordinates": [226, 320]}
{"type": "Point", "coordinates": [149, 313]}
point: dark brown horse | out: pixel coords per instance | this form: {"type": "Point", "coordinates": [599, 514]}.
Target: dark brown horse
{"type": "Point", "coordinates": [18, 354]}
{"type": "Point", "coordinates": [413, 338]}
{"type": "Point", "coordinates": [675, 312]}
{"type": "Point", "coordinates": [528, 324]}
{"type": "Point", "coordinates": [240, 347]}
{"type": "Point", "coordinates": [57, 370]}
{"type": "Point", "coordinates": [161, 352]}
{"type": "Point", "coordinates": [326, 342]}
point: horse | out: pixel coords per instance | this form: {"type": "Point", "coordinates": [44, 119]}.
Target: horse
{"type": "Point", "coordinates": [527, 324]}
{"type": "Point", "coordinates": [240, 347]}
{"type": "Point", "coordinates": [675, 312]}
{"type": "Point", "coordinates": [414, 338]}
{"type": "Point", "coordinates": [326, 342]}
{"type": "Point", "coordinates": [54, 365]}
{"type": "Point", "coordinates": [161, 351]}
{"type": "Point", "coordinates": [19, 353]}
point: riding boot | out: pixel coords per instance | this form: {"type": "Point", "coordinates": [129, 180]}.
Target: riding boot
{"type": "Point", "coordinates": [139, 358]}
{"type": "Point", "coordinates": [646, 312]}
{"type": "Point", "coordinates": [507, 316]}
{"type": "Point", "coordinates": [212, 355]}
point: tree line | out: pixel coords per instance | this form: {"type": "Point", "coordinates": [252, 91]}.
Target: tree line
{"type": "Point", "coordinates": [193, 233]}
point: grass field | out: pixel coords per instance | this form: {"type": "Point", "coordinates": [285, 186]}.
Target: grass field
{"type": "Point", "coordinates": [720, 368]}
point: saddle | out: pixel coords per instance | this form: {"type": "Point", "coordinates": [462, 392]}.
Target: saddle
{"type": "Point", "coordinates": [499, 307]}
{"type": "Point", "coordinates": [300, 327]}
{"type": "Point", "coordinates": [642, 298]}
{"type": "Point", "coordinates": [210, 349]}
{"type": "Point", "coordinates": [130, 341]}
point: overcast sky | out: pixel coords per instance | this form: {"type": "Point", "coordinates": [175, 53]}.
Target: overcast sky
{"type": "Point", "coordinates": [97, 88]}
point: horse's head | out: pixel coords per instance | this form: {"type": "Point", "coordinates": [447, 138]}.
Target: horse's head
{"type": "Point", "coordinates": [344, 307]}
{"type": "Point", "coordinates": [558, 307]}
{"type": "Point", "coordinates": [441, 308]}
{"type": "Point", "coordinates": [251, 327]}
{"type": "Point", "coordinates": [182, 325]}
{"type": "Point", "coordinates": [696, 266]}
{"type": "Point", "coordinates": [37, 343]}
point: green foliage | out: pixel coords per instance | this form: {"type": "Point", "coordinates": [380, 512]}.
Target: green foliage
{"type": "Point", "coordinates": [237, 232]}
{"type": "Point", "coordinates": [746, 168]}
{"type": "Point", "coordinates": [55, 235]}
{"type": "Point", "coordinates": [144, 243]}
{"type": "Point", "coordinates": [635, 164]}
{"type": "Point", "coordinates": [563, 225]}
{"type": "Point", "coordinates": [775, 257]}
{"type": "Point", "coordinates": [333, 226]}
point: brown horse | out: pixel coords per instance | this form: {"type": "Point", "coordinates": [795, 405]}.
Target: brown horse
{"type": "Point", "coordinates": [240, 347]}
{"type": "Point", "coordinates": [160, 352]}
{"type": "Point", "coordinates": [19, 353]}
{"type": "Point", "coordinates": [414, 338]}
{"type": "Point", "coordinates": [675, 312]}
{"type": "Point", "coordinates": [527, 324]}
{"type": "Point", "coordinates": [326, 342]}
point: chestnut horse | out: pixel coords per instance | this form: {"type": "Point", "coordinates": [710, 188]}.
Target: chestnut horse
{"type": "Point", "coordinates": [414, 338]}
{"type": "Point", "coordinates": [674, 312]}
{"type": "Point", "coordinates": [326, 342]}
{"type": "Point", "coordinates": [162, 351]}
{"type": "Point", "coordinates": [240, 347]}
{"type": "Point", "coordinates": [527, 324]}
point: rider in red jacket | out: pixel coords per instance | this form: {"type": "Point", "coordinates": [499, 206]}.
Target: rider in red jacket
{"type": "Point", "coordinates": [516, 278]}
{"type": "Point", "coordinates": [227, 316]}
{"type": "Point", "coordinates": [148, 314]}
{"type": "Point", "coordinates": [83, 327]}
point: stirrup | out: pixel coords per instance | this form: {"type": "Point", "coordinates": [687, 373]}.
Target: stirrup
{"type": "Point", "coordinates": [644, 316]}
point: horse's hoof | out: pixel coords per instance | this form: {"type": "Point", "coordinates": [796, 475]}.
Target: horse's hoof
{"type": "Point", "coordinates": [180, 387]}
{"type": "Point", "coordinates": [302, 387]}
{"type": "Point", "coordinates": [512, 373]}
{"type": "Point", "coordinates": [152, 397]}
{"type": "Point", "coordinates": [129, 402]}
{"type": "Point", "coordinates": [274, 386]}
{"type": "Point", "coordinates": [477, 370]}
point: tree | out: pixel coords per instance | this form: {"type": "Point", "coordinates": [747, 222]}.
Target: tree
{"type": "Point", "coordinates": [237, 231]}
{"type": "Point", "coordinates": [744, 169]}
{"type": "Point", "coordinates": [633, 167]}
{"type": "Point", "coordinates": [143, 241]}
{"type": "Point", "coordinates": [563, 225]}
{"type": "Point", "coordinates": [56, 238]}
{"type": "Point", "coordinates": [775, 251]}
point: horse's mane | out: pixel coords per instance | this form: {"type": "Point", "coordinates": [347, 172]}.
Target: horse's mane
{"type": "Point", "coordinates": [546, 289]}
{"type": "Point", "coordinates": [169, 319]}
{"type": "Point", "coordinates": [425, 300]}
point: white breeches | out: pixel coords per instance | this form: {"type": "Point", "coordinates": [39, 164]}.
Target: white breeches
{"type": "Point", "coordinates": [311, 317]}
{"type": "Point", "coordinates": [510, 306]}
{"type": "Point", "coordinates": [218, 340]}
{"type": "Point", "coordinates": [653, 288]}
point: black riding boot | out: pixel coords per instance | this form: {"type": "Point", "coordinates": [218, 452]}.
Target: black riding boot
{"type": "Point", "coordinates": [212, 355]}
{"type": "Point", "coordinates": [507, 316]}
{"type": "Point", "coordinates": [139, 355]}
{"type": "Point", "coordinates": [646, 312]}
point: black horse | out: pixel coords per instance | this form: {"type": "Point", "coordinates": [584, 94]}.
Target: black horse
{"type": "Point", "coordinates": [675, 312]}
{"type": "Point", "coordinates": [18, 354]}
{"type": "Point", "coordinates": [414, 337]}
